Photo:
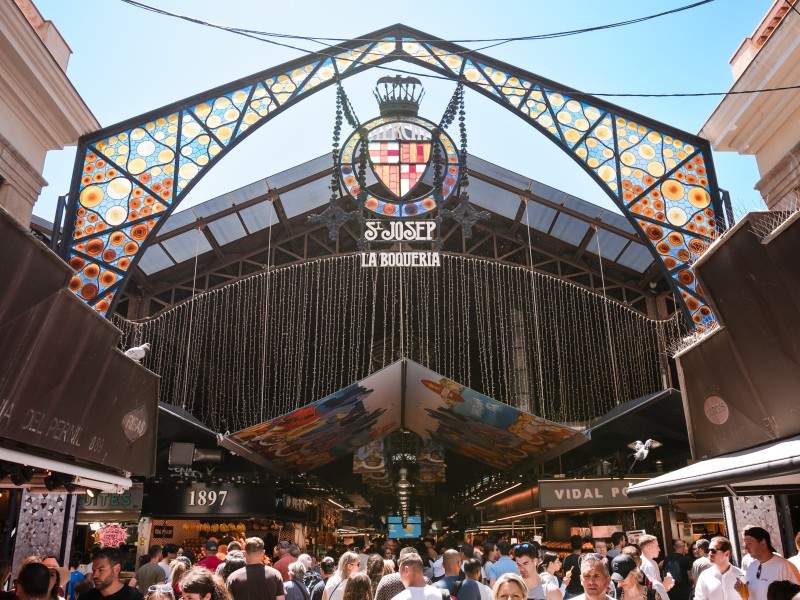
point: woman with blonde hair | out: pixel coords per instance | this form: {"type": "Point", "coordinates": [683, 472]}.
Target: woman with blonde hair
{"type": "Point", "coordinates": [358, 587]}
{"type": "Point", "coordinates": [510, 586]}
{"type": "Point", "coordinates": [179, 569]}
{"type": "Point", "coordinates": [349, 564]}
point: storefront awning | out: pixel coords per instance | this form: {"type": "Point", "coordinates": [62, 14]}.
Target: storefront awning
{"type": "Point", "coordinates": [739, 469]}
{"type": "Point", "coordinates": [84, 476]}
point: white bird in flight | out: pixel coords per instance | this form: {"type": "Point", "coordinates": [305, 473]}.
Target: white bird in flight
{"type": "Point", "coordinates": [137, 353]}
{"type": "Point", "coordinates": [640, 452]}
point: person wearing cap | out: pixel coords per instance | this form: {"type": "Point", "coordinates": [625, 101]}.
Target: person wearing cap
{"type": "Point", "coordinates": [211, 560]}
{"type": "Point", "coordinates": [629, 580]}
{"type": "Point", "coordinates": [766, 566]}
{"type": "Point", "coordinates": [719, 580]}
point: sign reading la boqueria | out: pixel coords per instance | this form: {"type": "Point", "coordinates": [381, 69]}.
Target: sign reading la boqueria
{"type": "Point", "coordinates": [590, 493]}
{"type": "Point", "coordinates": [395, 232]}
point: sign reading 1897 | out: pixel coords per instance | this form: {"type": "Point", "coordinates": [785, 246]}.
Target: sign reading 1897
{"type": "Point", "coordinates": [207, 497]}
{"type": "Point", "coordinates": [400, 231]}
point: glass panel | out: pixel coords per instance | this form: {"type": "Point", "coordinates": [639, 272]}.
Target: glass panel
{"type": "Point", "coordinates": [227, 229]}
{"type": "Point", "coordinates": [636, 257]}
{"type": "Point", "coordinates": [154, 259]}
{"type": "Point", "coordinates": [182, 247]}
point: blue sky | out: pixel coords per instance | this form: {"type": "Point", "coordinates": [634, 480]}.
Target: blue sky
{"type": "Point", "coordinates": [126, 61]}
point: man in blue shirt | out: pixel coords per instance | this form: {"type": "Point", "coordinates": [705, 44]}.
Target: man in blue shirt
{"type": "Point", "coordinates": [504, 564]}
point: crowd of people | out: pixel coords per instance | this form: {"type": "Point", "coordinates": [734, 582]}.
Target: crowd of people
{"type": "Point", "coordinates": [430, 570]}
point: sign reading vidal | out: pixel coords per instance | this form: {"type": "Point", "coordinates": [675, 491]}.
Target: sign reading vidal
{"type": "Point", "coordinates": [400, 231]}
{"type": "Point", "coordinates": [590, 493]}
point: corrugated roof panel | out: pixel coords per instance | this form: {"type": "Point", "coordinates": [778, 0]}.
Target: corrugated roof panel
{"type": "Point", "coordinates": [496, 172]}
{"type": "Point", "coordinates": [494, 198]}
{"type": "Point", "coordinates": [258, 216]}
{"type": "Point", "coordinates": [636, 257]}
{"type": "Point", "coordinates": [539, 216]}
{"type": "Point", "coordinates": [569, 229]}
{"type": "Point", "coordinates": [154, 259]}
{"type": "Point", "coordinates": [227, 229]}
{"type": "Point", "coordinates": [307, 197]}
{"type": "Point", "coordinates": [610, 244]}
{"type": "Point", "coordinates": [183, 246]}
{"type": "Point", "coordinates": [288, 176]}
{"type": "Point", "coordinates": [178, 219]}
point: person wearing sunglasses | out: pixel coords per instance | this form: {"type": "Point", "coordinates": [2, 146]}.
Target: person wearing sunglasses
{"type": "Point", "coordinates": [766, 566]}
{"type": "Point", "coordinates": [719, 580]}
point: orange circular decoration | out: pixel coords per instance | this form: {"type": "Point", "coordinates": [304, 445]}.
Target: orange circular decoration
{"type": "Point", "coordinates": [654, 232]}
{"type": "Point", "coordinates": [686, 277]}
{"type": "Point", "coordinates": [699, 198]}
{"type": "Point", "coordinates": [149, 200]}
{"type": "Point", "coordinates": [92, 217]}
{"type": "Point", "coordinates": [675, 238]}
{"type": "Point", "coordinates": [135, 203]}
{"type": "Point", "coordinates": [697, 318]}
{"type": "Point", "coordinates": [672, 190]}
{"type": "Point", "coordinates": [109, 255]}
{"type": "Point", "coordinates": [139, 232]}
{"type": "Point", "coordinates": [75, 284]}
{"type": "Point", "coordinates": [86, 180]}
{"type": "Point", "coordinates": [692, 303]}
{"type": "Point", "coordinates": [91, 271]}
{"type": "Point", "coordinates": [429, 203]}
{"type": "Point", "coordinates": [670, 262]}
{"type": "Point", "coordinates": [89, 291]}
{"type": "Point", "coordinates": [123, 263]}
{"type": "Point", "coordinates": [81, 211]}
{"type": "Point", "coordinates": [107, 278]}
{"type": "Point", "coordinates": [101, 306]}
{"type": "Point", "coordinates": [111, 173]}
{"type": "Point", "coordinates": [683, 255]}
{"type": "Point", "coordinates": [697, 246]}
{"type": "Point", "coordinates": [146, 211]}
{"type": "Point", "coordinates": [90, 229]}
{"type": "Point", "coordinates": [705, 311]}
{"type": "Point", "coordinates": [94, 247]}
{"type": "Point", "coordinates": [662, 247]}
{"type": "Point", "coordinates": [76, 262]}
{"type": "Point", "coordinates": [388, 209]}
{"type": "Point", "coordinates": [116, 238]}
{"type": "Point", "coordinates": [166, 194]}
{"type": "Point", "coordinates": [131, 248]}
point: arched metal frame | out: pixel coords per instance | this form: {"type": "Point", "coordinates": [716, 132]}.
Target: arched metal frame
{"type": "Point", "coordinates": [130, 176]}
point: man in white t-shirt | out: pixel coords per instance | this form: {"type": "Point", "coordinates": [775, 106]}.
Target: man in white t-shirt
{"type": "Point", "coordinates": [649, 551]}
{"type": "Point", "coordinates": [766, 566]}
{"type": "Point", "coordinates": [412, 577]}
{"type": "Point", "coordinates": [718, 582]}
{"type": "Point", "coordinates": [795, 560]}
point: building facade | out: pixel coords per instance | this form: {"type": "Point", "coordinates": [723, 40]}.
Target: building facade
{"type": "Point", "coordinates": [40, 110]}
{"type": "Point", "coordinates": [765, 125]}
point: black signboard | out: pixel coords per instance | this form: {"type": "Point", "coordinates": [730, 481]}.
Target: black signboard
{"type": "Point", "coordinates": [201, 500]}
{"type": "Point", "coordinates": [590, 493]}
{"type": "Point", "coordinates": [71, 392]}
{"type": "Point", "coordinates": [163, 531]}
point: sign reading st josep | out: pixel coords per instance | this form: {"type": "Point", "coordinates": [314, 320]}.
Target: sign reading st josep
{"type": "Point", "coordinates": [395, 232]}
{"type": "Point", "coordinates": [590, 493]}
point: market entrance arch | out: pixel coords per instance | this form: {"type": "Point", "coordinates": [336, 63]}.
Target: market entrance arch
{"type": "Point", "coordinates": [130, 176]}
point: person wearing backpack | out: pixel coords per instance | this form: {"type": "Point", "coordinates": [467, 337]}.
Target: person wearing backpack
{"type": "Point", "coordinates": [678, 563]}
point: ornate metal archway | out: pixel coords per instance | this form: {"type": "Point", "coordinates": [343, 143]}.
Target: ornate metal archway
{"type": "Point", "coordinates": [130, 176]}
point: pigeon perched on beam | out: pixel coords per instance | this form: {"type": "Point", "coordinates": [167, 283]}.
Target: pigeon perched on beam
{"type": "Point", "coordinates": [137, 353]}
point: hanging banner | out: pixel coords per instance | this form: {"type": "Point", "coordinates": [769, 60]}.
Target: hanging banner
{"type": "Point", "coordinates": [200, 499]}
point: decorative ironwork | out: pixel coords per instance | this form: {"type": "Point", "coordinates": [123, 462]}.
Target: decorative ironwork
{"type": "Point", "coordinates": [129, 177]}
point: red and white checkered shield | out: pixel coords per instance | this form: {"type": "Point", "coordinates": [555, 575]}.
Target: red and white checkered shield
{"type": "Point", "coordinates": [399, 164]}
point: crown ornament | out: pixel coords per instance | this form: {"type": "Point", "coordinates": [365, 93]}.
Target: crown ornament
{"type": "Point", "coordinates": [398, 95]}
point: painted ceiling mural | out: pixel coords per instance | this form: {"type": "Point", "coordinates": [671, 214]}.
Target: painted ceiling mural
{"type": "Point", "coordinates": [130, 176]}
{"type": "Point", "coordinates": [444, 413]}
